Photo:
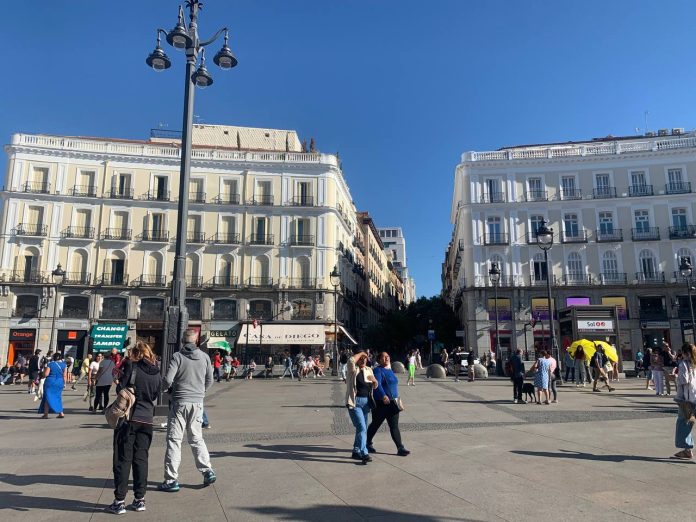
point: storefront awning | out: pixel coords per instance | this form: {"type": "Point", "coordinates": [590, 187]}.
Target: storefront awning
{"type": "Point", "coordinates": [282, 334]}
{"type": "Point", "coordinates": [345, 332]}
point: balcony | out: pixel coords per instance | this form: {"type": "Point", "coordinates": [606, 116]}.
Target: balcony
{"type": "Point", "coordinates": [31, 229]}
{"type": "Point", "coordinates": [261, 239]}
{"type": "Point", "coordinates": [27, 276]}
{"type": "Point", "coordinates": [78, 233]}
{"type": "Point", "coordinates": [195, 237]}
{"type": "Point", "coordinates": [495, 238]}
{"type": "Point", "coordinates": [613, 278]}
{"type": "Point", "coordinates": [117, 234]}
{"type": "Point", "coordinates": [226, 199]}
{"type": "Point", "coordinates": [262, 199]}
{"type": "Point", "coordinates": [84, 191]}
{"type": "Point", "coordinates": [150, 281]}
{"type": "Point", "coordinates": [604, 193]}
{"type": "Point", "coordinates": [194, 282]}
{"type": "Point", "coordinates": [576, 279]}
{"type": "Point", "coordinates": [302, 201]}
{"type": "Point", "coordinates": [640, 190]}
{"type": "Point", "coordinates": [37, 187]}
{"type": "Point", "coordinates": [645, 234]}
{"type": "Point", "coordinates": [113, 279]}
{"type": "Point", "coordinates": [301, 240]}
{"type": "Point", "coordinates": [536, 195]}
{"type": "Point", "coordinates": [574, 236]}
{"type": "Point", "coordinates": [505, 281]}
{"type": "Point", "coordinates": [125, 193]}
{"type": "Point", "coordinates": [157, 195]}
{"type": "Point", "coordinates": [223, 282]}
{"type": "Point", "coordinates": [493, 197]}
{"type": "Point", "coordinates": [682, 232]}
{"type": "Point", "coordinates": [302, 283]}
{"type": "Point", "coordinates": [261, 282]}
{"type": "Point", "coordinates": [614, 235]}
{"type": "Point", "coordinates": [196, 197]}
{"type": "Point", "coordinates": [650, 278]}
{"type": "Point", "coordinates": [157, 236]}
{"type": "Point", "coordinates": [679, 187]}
{"type": "Point", "coordinates": [534, 281]}
{"type": "Point", "coordinates": [571, 194]}
{"type": "Point", "coordinates": [461, 245]}
{"type": "Point", "coordinates": [77, 278]}
{"type": "Point", "coordinates": [226, 238]}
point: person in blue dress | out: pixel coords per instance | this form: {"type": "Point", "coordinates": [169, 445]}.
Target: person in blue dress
{"type": "Point", "coordinates": [541, 370]}
{"type": "Point", "coordinates": [52, 400]}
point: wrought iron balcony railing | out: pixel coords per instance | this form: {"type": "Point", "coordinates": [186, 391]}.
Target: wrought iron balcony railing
{"type": "Point", "coordinates": [118, 193]}
{"type": "Point", "coordinates": [571, 194]}
{"type": "Point", "coordinates": [302, 282]}
{"type": "Point", "coordinates": [226, 199]}
{"type": "Point", "coordinates": [536, 195]}
{"type": "Point", "coordinates": [645, 234]}
{"type": "Point", "coordinates": [493, 197]}
{"type": "Point", "coordinates": [114, 279]}
{"type": "Point", "coordinates": [679, 187]}
{"type": "Point", "coordinates": [496, 238]}
{"type": "Point", "coordinates": [650, 277]}
{"type": "Point", "coordinates": [261, 239]}
{"type": "Point", "coordinates": [640, 190]}
{"type": "Point", "coordinates": [31, 229]}
{"type": "Point", "coordinates": [301, 240]}
{"type": "Point", "coordinates": [613, 278]}
{"type": "Point", "coordinates": [223, 282]}
{"type": "Point", "coordinates": [158, 236]}
{"type": "Point", "coordinates": [157, 195]}
{"type": "Point", "coordinates": [682, 232]}
{"type": "Point", "coordinates": [260, 281]}
{"type": "Point", "coordinates": [78, 233]}
{"type": "Point", "coordinates": [574, 236]}
{"type": "Point", "coordinates": [37, 187]}
{"type": "Point", "coordinates": [77, 278]}
{"type": "Point", "coordinates": [303, 201]}
{"type": "Point", "coordinates": [604, 193]}
{"type": "Point", "coordinates": [609, 236]}
{"type": "Point", "coordinates": [196, 197]}
{"type": "Point", "coordinates": [226, 238]}
{"type": "Point", "coordinates": [195, 237]}
{"type": "Point", "coordinates": [150, 281]}
{"type": "Point", "coordinates": [576, 279]}
{"type": "Point", "coordinates": [194, 282]}
{"type": "Point", "coordinates": [85, 191]}
{"type": "Point", "coordinates": [262, 199]}
{"type": "Point", "coordinates": [28, 276]}
{"type": "Point", "coordinates": [117, 234]}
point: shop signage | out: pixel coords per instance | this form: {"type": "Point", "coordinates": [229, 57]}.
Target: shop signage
{"type": "Point", "coordinates": [105, 337]}
{"type": "Point", "coordinates": [71, 335]}
{"type": "Point", "coordinates": [603, 325]}
{"type": "Point", "coordinates": [22, 335]}
{"type": "Point", "coordinates": [654, 325]}
{"type": "Point", "coordinates": [283, 334]}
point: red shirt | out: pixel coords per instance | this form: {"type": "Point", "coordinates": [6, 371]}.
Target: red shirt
{"type": "Point", "coordinates": [217, 360]}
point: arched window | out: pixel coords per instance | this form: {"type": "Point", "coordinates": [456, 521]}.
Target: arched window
{"type": "Point", "coordinates": [78, 266]}
{"type": "Point", "coordinates": [610, 268]}
{"type": "Point", "coordinates": [114, 308]}
{"type": "Point", "coordinates": [684, 252]}
{"type": "Point", "coordinates": [75, 306]}
{"type": "Point", "coordinates": [27, 266]}
{"type": "Point", "coordinates": [115, 269]}
{"type": "Point", "coordinates": [225, 272]}
{"type": "Point", "coordinates": [225, 309]}
{"type": "Point", "coordinates": [648, 266]}
{"type": "Point", "coordinates": [260, 309]}
{"type": "Point", "coordinates": [26, 306]}
{"type": "Point", "coordinates": [574, 267]}
{"type": "Point", "coordinates": [152, 309]}
{"type": "Point", "coordinates": [155, 269]}
{"type": "Point", "coordinates": [261, 275]}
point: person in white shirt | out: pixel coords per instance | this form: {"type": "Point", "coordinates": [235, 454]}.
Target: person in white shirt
{"type": "Point", "coordinates": [412, 359]}
{"type": "Point", "coordinates": [92, 379]}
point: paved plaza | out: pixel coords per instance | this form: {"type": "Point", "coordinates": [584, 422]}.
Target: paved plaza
{"type": "Point", "coordinates": [281, 451]}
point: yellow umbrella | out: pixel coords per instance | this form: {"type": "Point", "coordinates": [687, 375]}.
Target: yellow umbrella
{"type": "Point", "coordinates": [588, 348]}
{"type": "Point", "coordinates": [609, 351]}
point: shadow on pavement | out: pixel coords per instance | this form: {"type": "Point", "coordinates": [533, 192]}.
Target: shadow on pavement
{"type": "Point", "coordinates": [338, 513]}
{"type": "Point", "coordinates": [286, 451]}
{"type": "Point", "coordinates": [17, 501]}
{"type": "Point", "coordinates": [313, 406]}
{"type": "Point", "coordinates": [567, 454]}
{"type": "Point", "coordinates": [63, 480]}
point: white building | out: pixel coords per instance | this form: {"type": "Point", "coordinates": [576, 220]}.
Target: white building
{"type": "Point", "coordinates": [623, 213]}
{"type": "Point", "coordinates": [394, 241]}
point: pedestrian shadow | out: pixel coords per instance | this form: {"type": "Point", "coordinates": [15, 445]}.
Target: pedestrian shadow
{"type": "Point", "coordinates": [311, 406]}
{"type": "Point", "coordinates": [569, 454]}
{"type": "Point", "coordinates": [286, 452]}
{"type": "Point", "coordinates": [17, 501]}
{"type": "Point", "coordinates": [63, 480]}
{"type": "Point", "coordinates": [336, 513]}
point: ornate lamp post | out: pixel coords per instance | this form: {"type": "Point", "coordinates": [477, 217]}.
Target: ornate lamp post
{"type": "Point", "coordinates": [335, 282]}
{"type": "Point", "coordinates": [494, 275]}
{"type": "Point", "coordinates": [57, 275]}
{"type": "Point", "coordinates": [185, 38]}
{"type": "Point", "coordinates": [687, 271]}
{"type": "Point", "coordinates": [545, 242]}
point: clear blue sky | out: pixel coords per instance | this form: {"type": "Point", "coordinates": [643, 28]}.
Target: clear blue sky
{"type": "Point", "coordinates": [400, 88]}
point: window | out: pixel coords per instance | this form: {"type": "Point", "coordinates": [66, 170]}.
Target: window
{"type": "Point", "coordinates": [302, 309]}
{"type": "Point", "coordinates": [157, 221]}
{"type": "Point", "coordinates": [152, 309]}
{"type": "Point", "coordinates": [534, 224]}
{"type": "Point", "coordinates": [225, 309]}
{"type": "Point", "coordinates": [568, 190]}
{"type": "Point", "coordinates": [263, 192]}
{"type": "Point", "coordinates": [679, 218]}
{"type": "Point", "coordinates": [648, 265]}
{"type": "Point", "coordinates": [606, 223]}
{"type": "Point", "coordinates": [535, 189]}
{"type": "Point", "coordinates": [114, 308]}
{"type": "Point", "coordinates": [570, 224]}
{"type": "Point", "coordinates": [196, 192]}
{"type": "Point", "coordinates": [260, 309]}
{"type": "Point", "coordinates": [642, 220]}
{"type": "Point", "coordinates": [610, 265]}
{"type": "Point", "coordinates": [684, 252]}
{"type": "Point", "coordinates": [638, 179]}
{"type": "Point", "coordinates": [194, 309]}
{"type": "Point", "coordinates": [230, 192]}
{"type": "Point", "coordinates": [26, 306]}
{"type": "Point", "coordinates": [574, 265]}
{"type": "Point", "coordinates": [494, 192]}
{"type": "Point", "coordinates": [603, 185]}
{"type": "Point", "coordinates": [494, 226]}
{"type": "Point", "coordinates": [539, 269]}
{"type": "Point", "coordinates": [304, 193]}
{"type": "Point", "coordinates": [119, 221]}
{"type": "Point", "coordinates": [123, 187]}
{"type": "Point", "coordinates": [76, 306]}
{"type": "Point", "coordinates": [161, 188]}
{"type": "Point", "coordinates": [674, 177]}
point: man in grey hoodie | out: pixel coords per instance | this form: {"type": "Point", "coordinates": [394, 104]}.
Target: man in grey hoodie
{"type": "Point", "coordinates": [189, 376]}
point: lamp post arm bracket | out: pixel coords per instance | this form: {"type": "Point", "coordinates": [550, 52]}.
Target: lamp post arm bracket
{"type": "Point", "coordinates": [213, 38]}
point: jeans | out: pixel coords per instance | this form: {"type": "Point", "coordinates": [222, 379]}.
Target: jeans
{"type": "Point", "coordinates": [358, 417]}
{"type": "Point", "coordinates": [131, 448]}
{"type": "Point", "coordinates": [659, 380]}
{"type": "Point", "coordinates": [185, 417]}
{"type": "Point", "coordinates": [579, 371]}
{"type": "Point", "coordinates": [101, 397]}
{"type": "Point", "coordinates": [216, 374]}
{"type": "Point", "coordinates": [682, 436]}
{"type": "Point", "coordinates": [205, 421]}
{"type": "Point", "coordinates": [342, 369]}
{"type": "Point", "coordinates": [288, 369]}
{"type": "Point", "coordinates": [570, 371]}
{"type": "Point", "coordinates": [517, 383]}
{"type": "Point", "coordinates": [5, 378]}
{"type": "Point", "coordinates": [382, 412]}
{"type": "Point", "coordinates": [552, 387]}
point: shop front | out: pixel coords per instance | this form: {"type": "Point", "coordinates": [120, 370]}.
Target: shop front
{"type": "Point", "coordinates": [592, 322]}
{"type": "Point", "coordinates": [22, 342]}
{"type": "Point", "coordinates": [259, 340]}
{"type": "Point", "coordinates": [222, 336]}
{"type": "Point", "coordinates": [71, 343]}
{"type": "Point", "coordinates": [654, 333]}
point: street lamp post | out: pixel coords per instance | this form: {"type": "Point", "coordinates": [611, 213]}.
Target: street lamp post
{"type": "Point", "coordinates": [545, 242]}
{"type": "Point", "coordinates": [185, 38]}
{"type": "Point", "coordinates": [494, 275]}
{"type": "Point", "coordinates": [687, 271]}
{"type": "Point", "coordinates": [335, 282]}
{"type": "Point", "coordinates": [57, 275]}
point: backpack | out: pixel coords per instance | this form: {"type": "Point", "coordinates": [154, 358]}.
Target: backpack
{"type": "Point", "coordinates": [118, 411]}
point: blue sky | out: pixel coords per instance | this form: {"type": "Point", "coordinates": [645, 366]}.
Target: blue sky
{"type": "Point", "coordinates": [400, 88]}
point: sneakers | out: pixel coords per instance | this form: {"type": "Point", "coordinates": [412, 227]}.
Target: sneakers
{"type": "Point", "coordinates": [402, 452]}
{"type": "Point", "coordinates": [206, 426]}
{"type": "Point", "coordinates": [366, 458]}
{"type": "Point", "coordinates": [209, 477]}
{"type": "Point", "coordinates": [356, 456]}
{"type": "Point", "coordinates": [117, 507]}
{"type": "Point", "coordinates": [371, 449]}
{"type": "Point", "coordinates": [171, 487]}
{"type": "Point", "coordinates": [522, 401]}
{"type": "Point", "coordinates": [138, 504]}
{"type": "Point", "coordinates": [514, 401]}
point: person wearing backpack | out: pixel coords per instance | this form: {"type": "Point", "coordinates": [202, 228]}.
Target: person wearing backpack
{"type": "Point", "coordinates": [132, 438]}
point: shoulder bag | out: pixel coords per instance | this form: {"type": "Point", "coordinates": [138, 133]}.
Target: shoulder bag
{"type": "Point", "coordinates": [118, 411]}
{"type": "Point", "coordinates": [395, 403]}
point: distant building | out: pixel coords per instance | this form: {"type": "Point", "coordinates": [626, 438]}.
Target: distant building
{"type": "Point", "coordinates": [393, 239]}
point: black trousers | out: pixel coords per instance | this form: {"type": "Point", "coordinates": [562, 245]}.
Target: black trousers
{"type": "Point", "coordinates": [131, 449]}
{"type": "Point", "coordinates": [517, 383]}
{"type": "Point", "coordinates": [101, 397]}
{"type": "Point", "coordinates": [570, 370]}
{"type": "Point", "coordinates": [216, 374]}
{"type": "Point", "coordinates": [379, 414]}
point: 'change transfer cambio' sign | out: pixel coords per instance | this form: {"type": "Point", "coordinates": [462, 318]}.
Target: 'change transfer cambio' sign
{"type": "Point", "coordinates": [108, 336]}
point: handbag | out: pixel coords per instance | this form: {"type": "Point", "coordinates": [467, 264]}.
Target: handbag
{"type": "Point", "coordinates": [118, 411]}
{"type": "Point", "coordinates": [398, 403]}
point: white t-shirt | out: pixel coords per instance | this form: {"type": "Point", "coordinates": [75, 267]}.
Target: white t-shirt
{"type": "Point", "coordinates": [412, 360]}
{"type": "Point", "coordinates": [94, 368]}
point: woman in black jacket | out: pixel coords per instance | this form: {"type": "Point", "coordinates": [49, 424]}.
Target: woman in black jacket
{"type": "Point", "coordinates": [132, 440]}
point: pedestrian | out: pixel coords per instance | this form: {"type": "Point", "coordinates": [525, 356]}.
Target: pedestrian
{"type": "Point", "coordinates": [686, 399]}
{"type": "Point", "coordinates": [444, 359]}
{"type": "Point", "coordinates": [217, 363]}
{"type": "Point", "coordinates": [92, 381]}
{"type": "Point", "coordinates": [5, 373]}
{"type": "Point", "coordinates": [190, 375]}
{"type": "Point", "coordinates": [359, 385]}
{"type": "Point", "coordinates": [412, 364]}
{"type": "Point", "coordinates": [84, 370]}
{"type": "Point", "coordinates": [554, 375]}
{"type": "Point", "coordinates": [471, 366]}
{"type": "Point", "coordinates": [287, 365]}
{"type": "Point", "coordinates": [52, 399]}
{"type": "Point", "coordinates": [579, 362]}
{"type": "Point", "coordinates": [69, 362]}
{"type": "Point", "coordinates": [34, 365]}
{"type": "Point", "coordinates": [456, 363]}
{"type": "Point", "coordinates": [541, 377]}
{"type": "Point", "coordinates": [387, 405]}
{"type": "Point", "coordinates": [235, 367]}
{"type": "Point", "coordinates": [570, 366]}
{"type": "Point", "coordinates": [133, 438]}
{"type": "Point", "coordinates": [639, 363]}
{"type": "Point", "coordinates": [657, 368]}
{"type": "Point", "coordinates": [647, 365]}
{"type": "Point", "coordinates": [104, 380]}
{"type": "Point", "coordinates": [419, 362]}
{"type": "Point", "coordinates": [517, 377]}
{"type": "Point", "coordinates": [251, 369]}
{"type": "Point", "coordinates": [268, 368]}
{"type": "Point", "coordinates": [600, 370]}
{"type": "Point", "coordinates": [342, 365]}
{"type": "Point", "coordinates": [669, 366]}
